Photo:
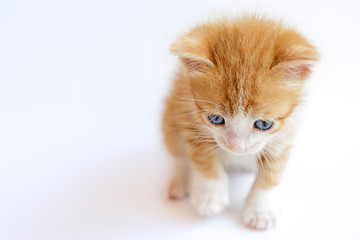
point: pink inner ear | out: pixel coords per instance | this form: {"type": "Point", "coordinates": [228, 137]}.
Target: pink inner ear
{"type": "Point", "coordinates": [193, 64]}
{"type": "Point", "coordinates": [299, 71]}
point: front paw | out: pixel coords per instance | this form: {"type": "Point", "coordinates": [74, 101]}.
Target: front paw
{"type": "Point", "coordinates": [211, 197]}
{"type": "Point", "coordinates": [261, 209]}
{"type": "Point", "coordinates": [261, 219]}
{"type": "Point", "coordinates": [209, 204]}
{"type": "Point", "coordinates": [178, 189]}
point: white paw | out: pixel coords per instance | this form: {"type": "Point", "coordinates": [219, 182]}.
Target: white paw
{"type": "Point", "coordinates": [209, 197]}
{"type": "Point", "coordinates": [261, 209]}
{"type": "Point", "coordinates": [262, 220]}
{"type": "Point", "coordinates": [210, 203]}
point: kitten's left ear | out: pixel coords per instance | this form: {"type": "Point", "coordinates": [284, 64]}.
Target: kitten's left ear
{"type": "Point", "coordinates": [296, 64]}
{"type": "Point", "coordinates": [295, 69]}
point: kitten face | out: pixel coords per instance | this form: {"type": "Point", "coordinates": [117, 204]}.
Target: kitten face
{"type": "Point", "coordinates": [239, 135]}
{"type": "Point", "coordinates": [248, 106]}
{"type": "Point", "coordinates": [248, 125]}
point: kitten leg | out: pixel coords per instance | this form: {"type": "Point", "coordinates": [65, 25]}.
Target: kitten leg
{"type": "Point", "coordinates": [178, 188]}
{"type": "Point", "coordinates": [209, 192]}
{"type": "Point", "coordinates": [261, 210]}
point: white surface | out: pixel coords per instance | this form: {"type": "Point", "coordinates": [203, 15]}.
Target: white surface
{"type": "Point", "coordinates": [81, 91]}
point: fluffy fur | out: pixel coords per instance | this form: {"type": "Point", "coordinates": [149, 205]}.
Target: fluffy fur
{"type": "Point", "coordinates": [243, 69]}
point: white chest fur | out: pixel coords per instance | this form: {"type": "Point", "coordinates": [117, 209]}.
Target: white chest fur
{"type": "Point", "coordinates": [236, 162]}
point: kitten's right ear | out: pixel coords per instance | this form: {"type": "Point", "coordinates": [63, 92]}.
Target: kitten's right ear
{"type": "Point", "coordinates": [192, 53]}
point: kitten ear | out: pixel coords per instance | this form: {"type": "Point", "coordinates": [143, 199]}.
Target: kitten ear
{"type": "Point", "coordinates": [295, 63]}
{"type": "Point", "coordinates": [192, 53]}
{"type": "Point", "coordinates": [295, 69]}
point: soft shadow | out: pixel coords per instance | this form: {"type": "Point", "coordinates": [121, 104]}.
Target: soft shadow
{"type": "Point", "coordinates": [125, 194]}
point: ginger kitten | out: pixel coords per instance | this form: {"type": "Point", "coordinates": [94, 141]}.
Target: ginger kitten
{"type": "Point", "coordinates": [234, 102]}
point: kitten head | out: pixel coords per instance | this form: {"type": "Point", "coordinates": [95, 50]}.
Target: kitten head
{"type": "Point", "coordinates": [247, 76]}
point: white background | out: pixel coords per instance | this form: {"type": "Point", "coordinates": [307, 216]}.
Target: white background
{"type": "Point", "coordinates": [82, 85]}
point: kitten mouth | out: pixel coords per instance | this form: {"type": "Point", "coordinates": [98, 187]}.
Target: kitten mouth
{"type": "Point", "coordinates": [250, 150]}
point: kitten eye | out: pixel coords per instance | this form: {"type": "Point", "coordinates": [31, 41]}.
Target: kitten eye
{"type": "Point", "coordinates": [263, 125]}
{"type": "Point", "coordinates": [216, 119]}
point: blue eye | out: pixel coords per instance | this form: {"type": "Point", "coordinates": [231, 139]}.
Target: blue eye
{"type": "Point", "coordinates": [263, 125]}
{"type": "Point", "coordinates": [216, 119]}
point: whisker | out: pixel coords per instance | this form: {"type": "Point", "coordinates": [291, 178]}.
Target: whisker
{"type": "Point", "coordinates": [198, 100]}
{"type": "Point", "coordinates": [266, 159]}
{"type": "Point", "coordinates": [185, 114]}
